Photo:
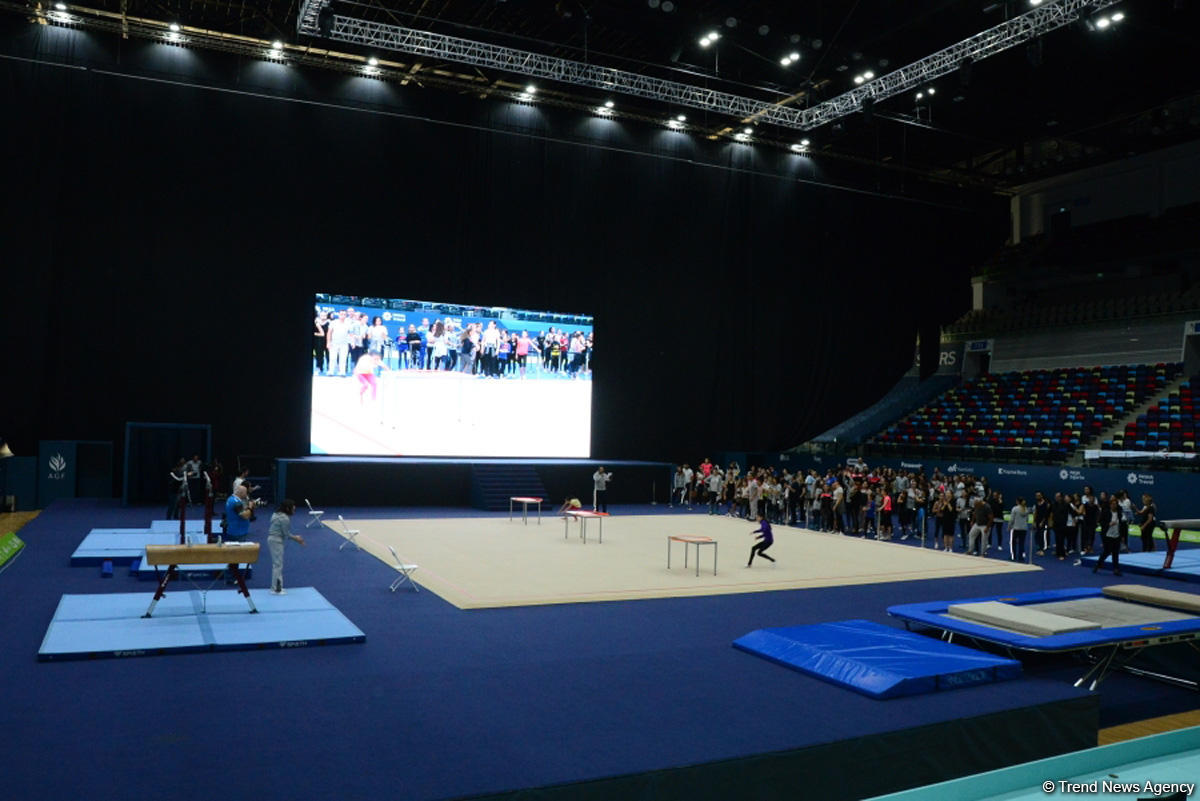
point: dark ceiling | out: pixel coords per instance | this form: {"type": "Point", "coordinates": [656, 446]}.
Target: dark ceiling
{"type": "Point", "coordinates": [1081, 97]}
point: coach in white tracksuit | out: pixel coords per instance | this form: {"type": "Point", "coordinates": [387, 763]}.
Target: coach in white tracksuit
{"type": "Point", "coordinates": [278, 534]}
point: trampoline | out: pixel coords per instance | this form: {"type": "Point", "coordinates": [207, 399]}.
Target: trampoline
{"type": "Point", "coordinates": [1109, 625]}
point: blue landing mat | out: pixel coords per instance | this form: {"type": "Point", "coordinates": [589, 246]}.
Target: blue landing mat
{"type": "Point", "coordinates": [875, 660]}
{"type": "Point", "coordinates": [1185, 566]}
{"type": "Point", "coordinates": [95, 626]}
{"type": "Point", "coordinates": [190, 526]}
{"type": "Point", "coordinates": [121, 545]}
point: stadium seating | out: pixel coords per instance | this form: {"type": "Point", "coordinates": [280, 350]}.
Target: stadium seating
{"type": "Point", "coordinates": [1169, 425]}
{"type": "Point", "coordinates": [1032, 415]}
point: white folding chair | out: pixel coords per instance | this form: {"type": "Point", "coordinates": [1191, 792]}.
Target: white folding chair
{"type": "Point", "coordinates": [314, 515]}
{"type": "Point", "coordinates": [351, 534]}
{"type": "Point", "coordinates": [406, 571]}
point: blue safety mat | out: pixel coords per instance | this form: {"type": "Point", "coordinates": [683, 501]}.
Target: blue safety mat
{"type": "Point", "coordinates": [118, 545]}
{"type": "Point", "coordinates": [875, 660]}
{"type": "Point", "coordinates": [92, 626]}
{"type": "Point", "coordinates": [1185, 566]}
{"type": "Point", "coordinates": [191, 526]}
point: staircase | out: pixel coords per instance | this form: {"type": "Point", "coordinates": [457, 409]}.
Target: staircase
{"type": "Point", "coordinates": [493, 484]}
{"type": "Point", "coordinates": [1118, 426]}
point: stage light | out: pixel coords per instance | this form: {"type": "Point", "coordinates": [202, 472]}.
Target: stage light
{"type": "Point", "coordinates": [174, 26]}
{"type": "Point", "coordinates": [1035, 2]}
{"type": "Point", "coordinates": [858, 79]}
{"type": "Point", "coordinates": [608, 104]}
{"type": "Point", "coordinates": [1102, 23]}
{"type": "Point", "coordinates": [531, 89]}
{"type": "Point", "coordinates": [276, 45]}
{"type": "Point", "coordinates": [869, 75]}
{"type": "Point", "coordinates": [680, 118]}
{"type": "Point", "coordinates": [748, 131]}
{"type": "Point", "coordinates": [797, 148]}
{"type": "Point", "coordinates": [931, 90]}
{"type": "Point", "coordinates": [920, 95]}
{"type": "Point", "coordinates": [61, 6]}
{"type": "Point", "coordinates": [372, 62]}
{"type": "Point", "coordinates": [794, 56]}
{"type": "Point", "coordinates": [1120, 15]}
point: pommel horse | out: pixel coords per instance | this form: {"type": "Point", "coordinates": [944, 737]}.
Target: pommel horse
{"type": "Point", "coordinates": [230, 554]}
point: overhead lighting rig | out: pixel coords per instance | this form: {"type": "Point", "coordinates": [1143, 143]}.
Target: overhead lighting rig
{"type": "Point", "coordinates": [319, 18]}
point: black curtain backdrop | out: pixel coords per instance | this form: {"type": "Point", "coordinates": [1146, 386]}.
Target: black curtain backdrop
{"type": "Point", "coordinates": [163, 244]}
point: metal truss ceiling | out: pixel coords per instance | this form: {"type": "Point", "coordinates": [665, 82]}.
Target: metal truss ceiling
{"type": "Point", "coordinates": [1026, 27]}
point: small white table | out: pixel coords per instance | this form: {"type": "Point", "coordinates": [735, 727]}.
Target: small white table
{"type": "Point", "coordinates": [583, 517]}
{"type": "Point", "coordinates": [689, 540]}
{"type": "Point", "coordinates": [524, 508]}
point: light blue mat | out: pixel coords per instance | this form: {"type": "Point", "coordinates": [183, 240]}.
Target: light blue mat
{"type": "Point", "coordinates": [1141, 768]}
{"type": "Point", "coordinates": [93, 626]}
{"type": "Point", "coordinates": [120, 545]}
{"type": "Point", "coordinates": [1185, 566]}
{"type": "Point", "coordinates": [191, 525]}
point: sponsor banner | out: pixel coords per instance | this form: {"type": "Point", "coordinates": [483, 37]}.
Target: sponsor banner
{"type": "Point", "coordinates": [1174, 492]}
{"type": "Point", "coordinates": [10, 546]}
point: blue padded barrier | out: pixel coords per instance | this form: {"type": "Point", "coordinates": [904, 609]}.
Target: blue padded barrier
{"type": "Point", "coordinates": [876, 660]}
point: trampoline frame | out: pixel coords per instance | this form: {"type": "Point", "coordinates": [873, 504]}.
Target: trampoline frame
{"type": "Point", "coordinates": [1107, 649]}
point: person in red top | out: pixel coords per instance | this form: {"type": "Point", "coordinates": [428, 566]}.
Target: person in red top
{"type": "Point", "coordinates": [885, 516]}
{"type": "Point", "coordinates": [706, 467]}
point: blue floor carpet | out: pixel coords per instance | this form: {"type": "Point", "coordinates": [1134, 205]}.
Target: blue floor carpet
{"type": "Point", "coordinates": [444, 703]}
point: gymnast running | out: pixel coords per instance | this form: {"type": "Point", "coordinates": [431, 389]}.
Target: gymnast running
{"type": "Point", "coordinates": [768, 539]}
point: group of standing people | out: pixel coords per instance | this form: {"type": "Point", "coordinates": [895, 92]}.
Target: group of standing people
{"type": "Point", "coordinates": [345, 341]}
{"type": "Point", "coordinates": [963, 513]}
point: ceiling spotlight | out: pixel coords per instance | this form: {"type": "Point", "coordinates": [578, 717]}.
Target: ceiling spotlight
{"type": "Point", "coordinates": [931, 90]}
{"type": "Point", "coordinates": [531, 89]}
{"type": "Point", "coordinates": [680, 118]}
{"type": "Point", "coordinates": [920, 95]}
{"type": "Point", "coordinates": [1120, 15]}
{"type": "Point", "coordinates": [372, 62]}
{"type": "Point", "coordinates": [785, 61]}
{"type": "Point", "coordinates": [748, 131]}
{"type": "Point", "coordinates": [1102, 23]}
{"type": "Point", "coordinates": [61, 6]}
{"type": "Point", "coordinates": [174, 26]}
{"type": "Point", "coordinates": [869, 75]}
{"type": "Point", "coordinates": [608, 104]}
{"type": "Point", "coordinates": [1035, 2]}
{"type": "Point", "coordinates": [276, 45]}
{"type": "Point", "coordinates": [805, 142]}
{"type": "Point", "coordinates": [858, 79]}
{"type": "Point", "coordinates": [794, 56]}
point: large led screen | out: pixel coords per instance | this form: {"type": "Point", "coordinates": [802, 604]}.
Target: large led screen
{"type": "Point", "coordinates": [412, 378]}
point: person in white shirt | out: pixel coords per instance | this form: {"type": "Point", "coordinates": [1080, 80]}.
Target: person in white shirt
{"type": "Point", "coordinates": [600, 481]}
{"type": "Point", "coordinates": [338, 332]}
{"type": "Point", "coordinates": [715, 484]}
